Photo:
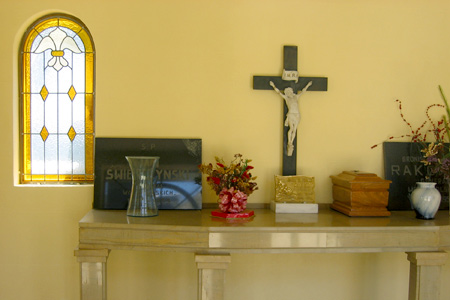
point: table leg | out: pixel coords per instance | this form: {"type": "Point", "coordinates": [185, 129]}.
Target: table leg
{"type": "Point", "coordinates": [93, 273]}
{"type": "Point", "coordinates": [211, 275]}
{"type": "Point", "coordinates": [425, 274]}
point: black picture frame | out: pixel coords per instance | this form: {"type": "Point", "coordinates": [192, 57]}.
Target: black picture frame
{"type": "Point", "coordinates": [179, 184]}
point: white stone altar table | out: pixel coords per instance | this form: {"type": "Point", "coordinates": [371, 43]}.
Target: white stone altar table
{"type": "Point", "coordinates": [213, 240]}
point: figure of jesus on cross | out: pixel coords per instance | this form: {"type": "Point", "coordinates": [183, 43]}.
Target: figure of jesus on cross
{"type": "Point", "coordinates": [293, 114]}
{"type": "Point", "coordinates": [290, 86]}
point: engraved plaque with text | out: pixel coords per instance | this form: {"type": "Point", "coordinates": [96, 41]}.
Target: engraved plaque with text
{"type": "Point", "coordinates": [402, 165]}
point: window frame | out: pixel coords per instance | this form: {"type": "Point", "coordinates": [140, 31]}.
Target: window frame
{"type": "Point", "coordinates": [26, 175]}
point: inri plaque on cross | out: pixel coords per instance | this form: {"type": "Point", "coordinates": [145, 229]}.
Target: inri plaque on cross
{"type": "Point", "coordinates": [293, 86]}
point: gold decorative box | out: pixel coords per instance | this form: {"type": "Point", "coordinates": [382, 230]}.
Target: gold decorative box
{"type": "Point", "coordinates": [294, 189]}
{"type": "Point", "coordinates": [360, 194]}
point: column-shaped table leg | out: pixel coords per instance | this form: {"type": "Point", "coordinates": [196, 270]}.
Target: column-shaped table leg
{"type": "Point", "coordinates": [211, 275]}
{"type": "Point", "coordinates": [93, 273]}
{"type": "Point", "coordinates": [424, 274]}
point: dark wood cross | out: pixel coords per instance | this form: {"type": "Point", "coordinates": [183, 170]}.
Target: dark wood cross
{"type": "Point", "coordinates": [289, 79]}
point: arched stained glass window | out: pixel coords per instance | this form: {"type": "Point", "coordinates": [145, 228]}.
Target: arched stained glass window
{"type": "Point", "coordinates": [57, 101]}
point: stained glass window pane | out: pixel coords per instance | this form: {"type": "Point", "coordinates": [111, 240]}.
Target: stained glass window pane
{"type": "Point", "coordinates": [51, 113]}
{"type": "Point", "coordinates": [65, 155]}
{"type": "Point", "coordinates": [51, 78]}
{"type": "Point", "coordinates": [78, 154]}
{"type": "Point", "coordinates": [78, 105]}
{"type": "Point", "coordinates": [57, 99]}
{"type": "Point", "coordinates": [37, 154]}
{"type": "Point", "coordinates": [79, 74]}
{"type": "Point", "coordinates": [37, 82]}
{"type": "Point", "coordinates": [37, 111]}
{"type": "Point", "coordinates": [50, 155]}
{"type": "Point", "coordinates": [64, 80]}
{"type": "Point", "coordinates": [64, 114]}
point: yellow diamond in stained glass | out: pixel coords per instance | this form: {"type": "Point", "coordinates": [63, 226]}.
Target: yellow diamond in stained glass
{"type": "Point", "coordinates": [71, 133]}
{"type": "Point", "coordinates": [44, 93]}
{"type": "Point", "coordinates": [72, 93]}
{"type": "Point", "coordinates": [44, 133]}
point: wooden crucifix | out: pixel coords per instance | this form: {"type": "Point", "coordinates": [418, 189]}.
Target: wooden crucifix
{"type": "Point", "coordinates": [293, 86]}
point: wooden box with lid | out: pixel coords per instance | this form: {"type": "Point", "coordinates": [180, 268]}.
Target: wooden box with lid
{"type": "Point", "coordinates": [360, 194]}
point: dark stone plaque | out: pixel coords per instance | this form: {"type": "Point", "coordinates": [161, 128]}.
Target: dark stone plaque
{"type": "Point", "coordinates": [402, 165]}
{"type": "Point", "coordinates": [179, 183]}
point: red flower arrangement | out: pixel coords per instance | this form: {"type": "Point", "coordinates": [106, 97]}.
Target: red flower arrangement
{"type": "Point", "coordinates": [233, 184]}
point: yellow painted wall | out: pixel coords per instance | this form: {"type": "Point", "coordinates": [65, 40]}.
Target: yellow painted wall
{"type": "Point", "coordinates": [178, 68]}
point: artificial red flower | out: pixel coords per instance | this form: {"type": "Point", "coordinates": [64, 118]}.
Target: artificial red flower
{"type": "Point", "coordinates": [216, 180]}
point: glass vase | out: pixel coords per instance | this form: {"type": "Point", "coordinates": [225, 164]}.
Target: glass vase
{"type": "Point", "coordinates": [142, 199]}
{"type": "Point", "coordinates": [426, 200]}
